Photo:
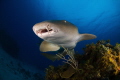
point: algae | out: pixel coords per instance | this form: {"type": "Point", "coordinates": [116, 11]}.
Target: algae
{"type": "Point", "coordinates": [100, 61]}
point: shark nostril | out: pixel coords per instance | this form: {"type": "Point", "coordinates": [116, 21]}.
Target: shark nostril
{"type": "Point", "coordinates": [50, 29]}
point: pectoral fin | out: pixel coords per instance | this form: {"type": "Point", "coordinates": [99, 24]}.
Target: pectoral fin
{"type": "Point", "coordinates": [54, 57]}
{"type": "Point", "coordinates": [46, 46]}
{"type": "Point", "coordinates": [86, 37]}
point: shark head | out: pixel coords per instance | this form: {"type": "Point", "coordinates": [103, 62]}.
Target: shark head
{"type": "Point", "coordinates": [57, 33]}
{"type": "Point", "coordinates": [44, 30]}
{"type": "Point", "coordinates": [49, 29]}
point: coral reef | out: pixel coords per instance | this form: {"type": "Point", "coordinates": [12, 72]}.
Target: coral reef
{"type": "Point", "coordinates": [100, 61]}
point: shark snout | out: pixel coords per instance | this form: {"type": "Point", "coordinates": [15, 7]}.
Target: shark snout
{"type": "Point", "coordinates": [44, 32]}
{"type": "Point", "coordinates": [38, 31]}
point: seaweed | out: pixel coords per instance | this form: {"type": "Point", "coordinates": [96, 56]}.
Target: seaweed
{"type": "Point", "coordinates": [100, 61]}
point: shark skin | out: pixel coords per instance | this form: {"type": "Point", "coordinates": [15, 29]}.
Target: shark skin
{"type": "Point", "coordinates": [59, 33]}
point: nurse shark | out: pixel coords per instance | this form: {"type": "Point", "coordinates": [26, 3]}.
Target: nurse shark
{"type": "Point", "coordinates": [58, 33]}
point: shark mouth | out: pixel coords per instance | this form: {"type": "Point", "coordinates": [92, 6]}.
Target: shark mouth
{"type": "Point", "coordinates": [45, 31]}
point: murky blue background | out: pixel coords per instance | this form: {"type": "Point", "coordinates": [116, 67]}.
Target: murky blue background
{"type": "Point", "coordinates": [99, 17]}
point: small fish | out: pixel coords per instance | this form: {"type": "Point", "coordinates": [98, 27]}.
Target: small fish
{"type": "Point", "coordinates": [59, 33]}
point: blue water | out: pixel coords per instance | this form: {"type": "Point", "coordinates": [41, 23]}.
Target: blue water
{"type": "Point", "coordinates": [17, 17]}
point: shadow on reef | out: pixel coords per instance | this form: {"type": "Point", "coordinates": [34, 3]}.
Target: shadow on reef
{"type": "Point", "coordinates": [8, 44]}
{"type": "Point", "coordinates": [100, 61]}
